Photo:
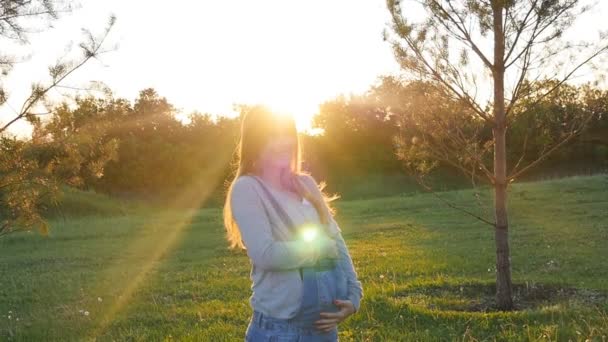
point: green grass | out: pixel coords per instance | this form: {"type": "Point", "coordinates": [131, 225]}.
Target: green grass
{"type": "Point", "coordinates": [73, 202]}
{"type": "Point", "coordinates": [427, 272]}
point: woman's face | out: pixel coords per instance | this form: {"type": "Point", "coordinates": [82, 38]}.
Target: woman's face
{"type": "Point", "coordinates": [278, 152]}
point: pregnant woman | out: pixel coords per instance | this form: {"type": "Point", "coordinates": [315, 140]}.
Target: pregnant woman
{"type": "Point", "coordinates": [303, 280]}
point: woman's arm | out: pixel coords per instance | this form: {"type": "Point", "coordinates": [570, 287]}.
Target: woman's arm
{"type": "Point", "coordinates": [355, 288]}
{"type": "Point", "coordinates": [256, 232]}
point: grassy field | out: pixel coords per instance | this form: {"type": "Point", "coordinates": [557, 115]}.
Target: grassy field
{"type": "Point", "coordinates": [427, 271]}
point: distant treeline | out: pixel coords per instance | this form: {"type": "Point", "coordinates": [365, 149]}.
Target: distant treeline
{"type": "Point", "coordinates": [149, 153]}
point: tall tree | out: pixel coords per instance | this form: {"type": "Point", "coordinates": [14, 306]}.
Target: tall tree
{"type": "Point", "coordinates": [514, 42]}
{"type": "Point", "coordinates": [24, 182]}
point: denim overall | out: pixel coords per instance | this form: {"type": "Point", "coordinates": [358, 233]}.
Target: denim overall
{"type": "Point", "coordinates": [322, 283]}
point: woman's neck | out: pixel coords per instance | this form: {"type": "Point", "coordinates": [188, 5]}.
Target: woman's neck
{"type": "Point", "coordinates": [273, 177]}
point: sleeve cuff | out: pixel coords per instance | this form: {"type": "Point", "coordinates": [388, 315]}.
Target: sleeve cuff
{"type": "Point", "coordinates": [356, 302]}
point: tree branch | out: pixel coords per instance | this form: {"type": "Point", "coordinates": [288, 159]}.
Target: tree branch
{"type": "Point", "coordinates": [451, 205]}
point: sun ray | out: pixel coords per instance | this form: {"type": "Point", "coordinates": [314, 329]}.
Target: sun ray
{"type": "Point", "coordinates": [166, 230]}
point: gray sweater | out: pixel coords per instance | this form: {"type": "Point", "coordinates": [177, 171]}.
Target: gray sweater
{"type": "Point", "coordinates": [276, 282]}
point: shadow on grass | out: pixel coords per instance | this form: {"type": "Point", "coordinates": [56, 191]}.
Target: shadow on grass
{"type": "Point", "coordinates": [480, 297]}
{"type": "Point", "coordinates": [438, 312]}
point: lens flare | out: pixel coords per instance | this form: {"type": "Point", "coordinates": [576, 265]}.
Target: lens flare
{"type": "Point", "coordinates": [309, 233]}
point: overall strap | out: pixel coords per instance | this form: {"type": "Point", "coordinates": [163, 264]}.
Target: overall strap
{"type": "Point", "coordinates": [278, 208]}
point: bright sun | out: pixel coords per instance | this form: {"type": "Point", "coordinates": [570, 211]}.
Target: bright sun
{"type": "Point", "coordinates": [303, 113]}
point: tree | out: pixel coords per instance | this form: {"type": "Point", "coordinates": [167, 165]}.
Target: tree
{"type": "Point", "coordinates": [527, 44]}
{"type": "Point", "coordinates": [356, 137]}
{"type": "Point", "coordinates": [24, 181]}
{"type": "Point", "coordinates": [77, 141]}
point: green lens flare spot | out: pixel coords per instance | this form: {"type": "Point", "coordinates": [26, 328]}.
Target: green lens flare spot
{"type": "Point", "coordinates": [309, 233]}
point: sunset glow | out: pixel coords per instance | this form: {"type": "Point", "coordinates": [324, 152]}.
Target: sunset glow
{"type": "Point", "coordinates": [213, 170]}
{"type": "Point", "coordinates": [218, 54]}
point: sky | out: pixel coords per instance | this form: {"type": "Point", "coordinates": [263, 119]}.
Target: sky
{"type": "Point", "coordinates": [209, 55]}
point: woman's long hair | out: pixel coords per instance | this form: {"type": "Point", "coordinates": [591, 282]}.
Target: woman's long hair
{"type": "Point", "coordinates": [259, 126]}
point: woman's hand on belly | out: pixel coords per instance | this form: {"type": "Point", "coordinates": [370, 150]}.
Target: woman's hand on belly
{"type": "Point", "coordinates": [330, 320]}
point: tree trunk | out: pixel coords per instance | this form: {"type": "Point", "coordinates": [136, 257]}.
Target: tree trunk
{"type": "Point", "coordinates": [504, 298]}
